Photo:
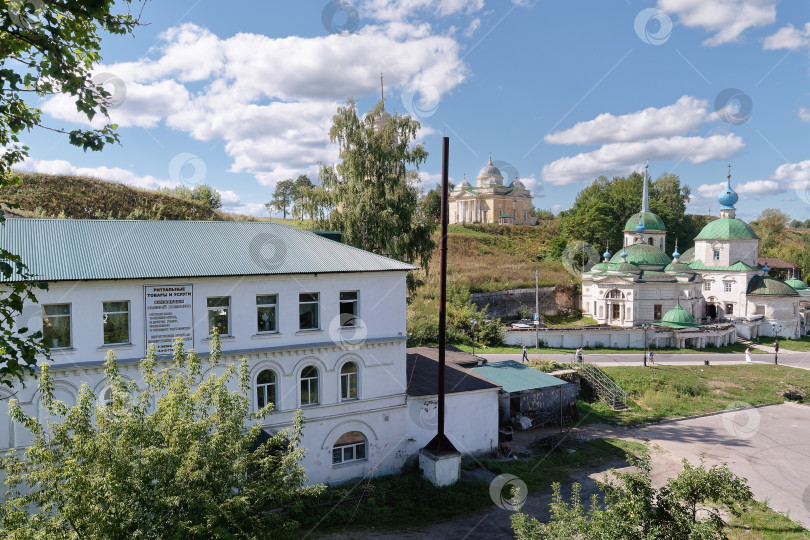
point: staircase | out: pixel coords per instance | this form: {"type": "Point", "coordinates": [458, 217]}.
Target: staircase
{"type": "Point", "coordinates": [607, 390]}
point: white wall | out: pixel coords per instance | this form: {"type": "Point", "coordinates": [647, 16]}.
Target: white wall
{"type": "Point", "coordinates": [471, 420]}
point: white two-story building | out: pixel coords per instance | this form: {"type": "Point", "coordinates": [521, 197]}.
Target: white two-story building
{"type": "Point", "coordinates": [321, 324]}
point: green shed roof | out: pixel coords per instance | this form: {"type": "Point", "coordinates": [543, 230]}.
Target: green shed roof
{"type": "Point", "coordinates": [678, 317]}
{"type": "Point", "coordinates": [651, 222]}
{"type": "Point", "coordinates": [768, 286]}
{"type": "Point", "coordinates": [88, 249]}
{"type": "Point", "coordinates": [727, 229]}
{"type": "Point", "coordinates": [514, 377]}
{"type": "Point", "coordinates": [678, 268]}
{"type": "Point", "coordinates": [646, 254]}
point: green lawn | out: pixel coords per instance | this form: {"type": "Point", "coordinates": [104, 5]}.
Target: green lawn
{"type": "Point", "coordinates": [802, 344]}
{"type": "Point", "coordinates": [761, 523]}
{"type": "Point", "coordinates": [664, 392]}
{"type": "Point", "coordinates": [407, 500]}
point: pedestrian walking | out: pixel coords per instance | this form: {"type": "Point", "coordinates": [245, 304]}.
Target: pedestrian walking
{"type": "Point", "coordinates": [776, 351]}
{"type": "Point", "coordinates": [579, 355]}
{"type": "Point", "coordinates": [651, 357]}
{"type": "Point", "coordinates": [525, 355]}
{"type": "Point", "coordinates": [748, 355]}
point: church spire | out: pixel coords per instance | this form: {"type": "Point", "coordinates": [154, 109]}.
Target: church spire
{"type": "Point", "coordinates": [645, 196]}
{"type": "Point", "coordinates": [727, 199]}
{"type": "Point", "coordinates": [382, 91]}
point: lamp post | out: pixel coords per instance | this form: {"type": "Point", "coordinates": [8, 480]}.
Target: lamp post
{"type": "Point", "coordinates": [472, 324]}
{"type": "Point", "coordinates": [646, 327]}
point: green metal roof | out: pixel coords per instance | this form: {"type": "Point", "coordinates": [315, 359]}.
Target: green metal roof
{"type": "Point", "coordinates": [687, 256]}
{"type": "Point", "coordinates": [653, 275]}
{"type": "Point", "coordinates": [797, 284]}
{"type": "Point", "coordinates": [651, 222]}
{"type": "Point", "coordinates": [678, 317]}
{"type": "Point", "coordinates": [738, 266]}
{"type": "Point", "coordinates": [646, 254]}
{"type": "Point", "coordinates": [87, 249]}
{"type": "Point", "coordinates": [514, 377]}
{"type": "Point", "coordinates": [626, 268]}
{"type": "Point", "coordinates": [727, 229]}
{"type": "Point", "coordinates": [678, 268]}
{"type": "Point", "coordinates": [598, 267]}
{"type": "Point", "coordinates": [768, 286]}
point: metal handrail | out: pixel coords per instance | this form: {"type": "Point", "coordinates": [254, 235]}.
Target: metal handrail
{"type": "Point", "coordinates": [608, 385]}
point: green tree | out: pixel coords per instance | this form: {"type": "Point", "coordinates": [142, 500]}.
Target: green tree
{"type": "Point", "coordinates": [372, 195]}
{"type": "Point", "coordinates": [282, 197]}
{"type": "Point", "coordinates": [46, 48]}
{"type": "Point", "coordinates": [432, 203]}
{"type": "Point", "coordinates": [633, 510]}
{"type": "Point", "coordinates": [539, 213]}
{"type": "Point", "coordinates": [601, 210]}
{"type": "Point", "coordinates": [173, 459]}
{"type": "Point", "coordinates": [301, 195]}
{"type": "Point", "coordinates": [208, 195]}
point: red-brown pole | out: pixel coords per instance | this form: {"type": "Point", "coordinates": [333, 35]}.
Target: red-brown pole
{"type": "Point", "coordinates": [443, 288]}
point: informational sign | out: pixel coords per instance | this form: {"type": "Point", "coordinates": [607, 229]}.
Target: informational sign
{"type": "Point", "coordinates": [536, 318]}
{"type": "Point", "coordinates": [169, 314]}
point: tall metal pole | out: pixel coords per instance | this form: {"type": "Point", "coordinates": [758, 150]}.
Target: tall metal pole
{"type": "Point", "coordinates": [443, 289]}
{"type": "Point", "coordinates": [537, 309]}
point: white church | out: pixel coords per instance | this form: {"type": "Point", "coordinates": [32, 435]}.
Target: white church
{"type": "Point", "coordinates": [321, 325]}
{"type": "Point", "coordinates": [719, 280]}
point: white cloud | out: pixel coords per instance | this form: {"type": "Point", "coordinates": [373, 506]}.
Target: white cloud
{"type": "Point", "coordinates": [804, 114]}
{"type": "Point", "coordinates": [685, 115]}
{"type": "Point", "coordinates": [557, 208]}
{"type": "Point", "coordinates": [623, 158]}
{"type": "Point", "coordinates": [248, 209]}
{"type": "Point", "coordinates": [272, 100]}
{"type": "Point", "coordinates": [727, 19]}
{"type": "Point", "coordinates": [114, 174]}
{"type": "Point", "coordinates": [228, 197]}
{"type": "Point", "coordinates": [474, 25]}
{"type": "Point", "coordinates": [398, 10]}
{"type": "Point", "coordinates": [787, 177]}
{"type": "Point", "coordinates": [788, 37]}
{"type": "Point", "coordinates": [533, 185]}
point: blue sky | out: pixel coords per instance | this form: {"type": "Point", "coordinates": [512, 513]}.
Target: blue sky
{"type": "Point", "coordinates": [558, 92]}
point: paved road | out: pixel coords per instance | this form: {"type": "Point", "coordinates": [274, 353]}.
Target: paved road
{"type": "Point", "coordinates": [786, 358]}
{"type": "Point", "coordinates": [770, 446]}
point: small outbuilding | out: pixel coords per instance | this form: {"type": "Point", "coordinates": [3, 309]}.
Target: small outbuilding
{"type": "Point", "coordinates": [529, 391]}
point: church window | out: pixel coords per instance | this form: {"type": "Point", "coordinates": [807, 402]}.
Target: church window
{"type": "Point", "coordinates": [707, 286]}
{"type": "Point", "coordinates": [729, 309]}
{"type": "Point", "coordinates": [657, 310]}
{"type": "Point", "coordinates": [266, 388]}
{"type": "Point", "coordinates": [716, 255]}
{"type": "Point", "coordinates": [524, 215]}
{"type": "Point", "coordinates": [726, 286]}
{"type": "Point", "coordinates": [485, 215]}
{"type": "Point", "coordinates": [614, 293]}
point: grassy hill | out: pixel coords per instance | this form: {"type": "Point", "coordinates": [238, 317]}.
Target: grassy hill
{"type": "Point", "coordinates": [51, 196]}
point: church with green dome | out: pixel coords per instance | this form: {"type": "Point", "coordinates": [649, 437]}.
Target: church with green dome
{"type": "Point", "coordinates": [717, 282]}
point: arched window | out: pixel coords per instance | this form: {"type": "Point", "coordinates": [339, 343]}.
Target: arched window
{"type": "Point", "coordinates": [349, 447]}
{"type": "Point", "coordinates": [348, 381]}
{"type": "Point", "coordinates": [614, 293]}
{"type": "Point", "coordinates": [266, 389]}
{"type": "Point", "coordinates": [107, 397]}
{"type": "Point", "coordinates": [309, 386]}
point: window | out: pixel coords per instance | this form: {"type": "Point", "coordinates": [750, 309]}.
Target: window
{"type": "Point", "coordinates": [657, 311]}
{"type": "Point", "coordinates": [615, 293]}
{"type": "Point", "coordinates": [56, 325]}
{"type": "Point", "coordinates": [219, 308]}
{"type": "Point", "coordinates": [348, 381]}
{"type": "Point", "coordinates": [727, 286]}
{"type": "Point", "coordinates": [616, 311]}
{"type": "Point", "coordinates": [707, 286]}
{"type": "Point", "coordinates": [349, 447]}
{"type": "Point", "coordinates": [650, 240]}
{"type": "Point", "coordinates": [348, 308]}
{"type": "Point", "coordinates": [266, 389]}
{"type": "Point", "coordinates": [524, 215]}
{"type": "Point", "coordinates": [759, 310]}
{"type": "Point", "coordinates": [308, 311]}
{"type": "Point", "coordinates": [116, 322]}
{"type": "Point", "coordinates": [309, 386]}
{"type": "Point", "coordinates": [729, 309]}
{"type": "Point", "coordinates": [107, 399]}
{"type": "Point", "coordinates": [485, 215]}
{"type": "Point", "coordinates": [716, 255]}
{"type": "Point", "coordinates": [266, 306]}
